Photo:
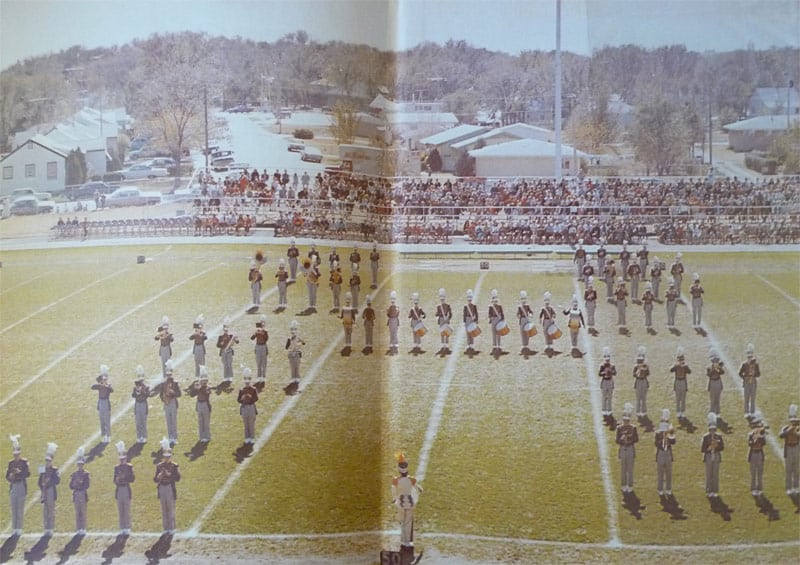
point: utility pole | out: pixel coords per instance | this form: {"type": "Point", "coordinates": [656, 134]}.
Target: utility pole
{"type": "Point", "coordinates": [558, 92]}
{"type": "Point", "coordinates": [205, 115]}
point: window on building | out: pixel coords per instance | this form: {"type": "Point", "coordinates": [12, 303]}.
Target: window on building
{"type": "Point", "coordinates": [52, 170]}
{"type": "Point", "coordinates": [8, 173]}
{"type": "Point", "coordinates": [30, 170]}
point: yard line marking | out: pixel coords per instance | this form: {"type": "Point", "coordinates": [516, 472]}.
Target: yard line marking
{"type": "Point", "coordinates": [737, 382]}
{"type": "Point", "coordinates": [599, 431]}
{"type": "Point", "coordinates": [62, 299]}
{"type": "Point", "coordinates": [780, 291]}
{"type": "Point", "coordinates": [96, 333]}
{"type": "Point", "coordinates": [266, 434]}
{"type": "Point", "coordinates": [177, 362]}
{"type": "Point", "coordinates": [437, 410]}
{"type": "Point", "coordinates": [24, 283]}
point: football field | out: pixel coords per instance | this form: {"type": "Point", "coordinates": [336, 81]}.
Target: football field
{"type": "Point", "coordinates": [516, 461]}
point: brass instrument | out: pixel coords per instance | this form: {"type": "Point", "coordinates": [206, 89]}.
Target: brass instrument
{"type": "Point", "coordinates": [230, 343]}
{"type": "Point", "coordinates": [713, 446]}
{"type": "Point", "coordinates": [164, 474]}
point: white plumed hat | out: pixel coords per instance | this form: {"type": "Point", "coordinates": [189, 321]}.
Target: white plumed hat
{"type": "Point", "coordinates": [293, 325]}
{"type": "Point", "coordinates": [442, 293]}
{"type": "Point", "coordinates": [695, 277]}
{"type": "Point", "coordinates": [203, 373]}
{"type": "Point", "coordinates": [627, 411]}
{"type": "Point", "coordinates": [81, 456]}
{"type": "Point", "coordinates": [792, 412]}
{"type": "Point", "coordinates": [607, 352]}
{"type": "Point", "coordinates": [51, 451]}
{"type": "Point", "coordinates": [247, 374]}
{"type": "Point", "coordinates": [165, 321]}
{"type": "Point", "coordinates": [200, 320]}
{"type": "Point", "coordinates": [120, 445]}
{"type": "Point", "coordinates": [139, 372]}
{"type": "Point", "coordinates": [641, 352]}
{"type": "Point", "coordinates": [665, 415]}
{"type": "Point", "coordinates": [166, 450]}
{"type": "Point", "coordinates": [169, 367]}
{"type": "Point", "coordinates": [712, 420]}
{"type": "Point", "coordinates": [415, 296]}
{"type": "Point", "coordinates": [523, 295]}
{"type": "Point", "coordinates": [393, 295]}
{"type": "Point", "coordinates": [750, 350]}
{"type": "Point", "coordinates": [469, 294]}
{"type": "Point", "coordinates": [547, 296]}
{"type": "Point", "coordinates": [103, 370]}
{"type": "Point", "coordinates": [591, 281]}
{"type": "Point", "coordinates": [15, 448]}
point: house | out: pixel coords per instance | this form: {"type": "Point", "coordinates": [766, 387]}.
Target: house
{"type": "Point", "coordinates": [504, 134]}
{"type": "Point", "coordinates": [523, 158]}
{"type": "Point", "coordinates": [757, 134]}
{"type": "Point", "coordinates": [38, 163]}
{"type": "Point", "coordinates": [444, 140]}
{"type": "Point", "coordinates": [765, 101]}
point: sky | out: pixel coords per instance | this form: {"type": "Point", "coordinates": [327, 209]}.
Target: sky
{"type": "Point", "coordinates": [36, 27]}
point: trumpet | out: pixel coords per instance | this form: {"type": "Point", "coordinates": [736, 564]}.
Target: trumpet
{"type": "Point", "coordinates": [164, 474]}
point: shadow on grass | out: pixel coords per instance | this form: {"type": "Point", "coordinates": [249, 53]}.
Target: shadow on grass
{"type": "Point", "coordinates": [346, 351]}
{"type": "Point", "coordinates": [552, 353]}
{"type": "Point", "coordinates": [610, 422]}
{"type": "Point", "coordinates": [724, 426]}
{"type": "Point", "coordinates": [675, 331]}
{"type": "Point", "coordinates": [95, 452]}
{"type": "Point", "coordinates": [527, 353]}
{"type": "Point", "coordinates": [115, 550]}
{"type": "Point", "coordinates": [307, 312]}
{"type": "Point", "coordinates": [8, 547]}
{"type": "Point", "coordinates": [593, 332]}
{"type": "Point", "coordinates": [632, 504]}
{"type": "Point", "coordinates": [576, 353]}
{"type": "Point", "coordinates": [243, 452]}
{"type": "Point", "coordinates": [671, 506]}
{"type": "Point", "coordinates": [766, 508]}
{"type": "Point", "coordinates": [159, 550]}
{"type": "Point", "coordinates": [646, 423]}
{"type": "Point", "coordinates": [796, 501]}
{"type": "Point", "coordinates": [135, 450]}
{"type": "Point", "coordinates": [224, 386]}
{"type": "Point", "coordinates": [70, 549]}
{"type": "Point", "coordinates": [718, 506]}
{"type": "Point", "coordinates": [624, 331]}
{"type": "Point", "coordinates": [38, 551]}
{"type": "Point", "coordinates": [686, 425]}
{"type": "Point", "coordinates": [197, 451]}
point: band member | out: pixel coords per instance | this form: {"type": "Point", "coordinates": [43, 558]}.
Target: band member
{"type": "Point", "coordinates": [333, 258]}
{"type": "Point", "coordinates": [140, 394]}
{"type": "Point", "coordinates": [405, 494]}
{"type": "Point", "coordinates": [790, 434]}
{"type": "Point", "coordinates": [368, 315]}
{"type": "Point", "coordinates": [681, 383]}
{"type": "Point", "coordinates": [104, 391]}
{"type": "Point", "coordinates": [496, 317]}
{"type": "Point", "coordinates": [79, 484]}
{"type": "Point", "coordinates": [444, 313]}
{"type": "Point", "coordinates": [313, 254]}
{"type": "Point", "coordinates": [470, 316]}
{"type": "Point", "coordinates": [610, 274]}
{"type": "Point", "coordinates": [164, 338]}
{"type": "Point", "coordinates": [588, 269]}
{"type": "Point", "coordinates": [624, 259]}
{"type": "Point", "coordinates": [393, 322]}
{"type": "Point", "coordinates": [312, 274]}
{"type": "Point", "coordinates": [261, 337]}
{"type": "Point", "coordinates": [355, 259]}
{"type": "Point", "coordinates": [641, 371]}
{"type": "Point", "coordinates": [602, 253]}
{"type": "Point", "coordinates": [634, 275]}
{"type": "Point", "coordinates": [198, 339]}
{"type": "Point", "coordinates": [254, 277]}
{"type": "Point", "coordinates": [169, 394]}
{"type": "Point", "coordinates": [292, 254]}
{"type": "Point", "coordinates": [627, 437]}
{"type": "Point", "coordinates": [547, 317]}
{"type": "Point", "coordinates": [664, 440]}
{"type": "Point", "coordinates": [575, 322]}
{"type": "Point", "coordinates": [714, 373]}
{"type": "Point", "coordinates": [293, 348]}
{"type": "Point", "coordinates": [579, 258]}
{"type": "Point", "coordinates": [590, 300]}
{"type": "Point", "coordinates": [655, 276]}
{"type": "Point", "coordinates": [283, 283]}
{"type": "Point", "coordinates": [756, 440]}
{"type": "Point", "coordinates": [248, 396]}
{"type": "Point", "coordinates": [676, 271]}
{"type": "Point", "coordinates": [123, 477]}
{"type": "Point", "coordinates": [607, 373]}
{"type": "Point", "coordinates": [711, 448]}
{"type": "Point", "coordinates": [620, 296]}
{"type": "Point", "coordinates": [17, 473]}
{"type": "Point", "coordinates": [49, 478]}
{"type": "Point", "coordinates": [348, 317]}
{"type": "Point", "coordinates": [749, 373]}
{"type": "Point", "coordinates": [648, 298]}
{"type": "Point", "coordinates": [200, 390]}
{"type": "Point", "coordinates": [697, 301]}
{"type": "Point", "coordinates": [374, 262]}
{"type": "Point", "coordinates": [355, 287]}
{"type": "Point", "coordinates": [225, 343]}
{"type": "Point", "coordinates": [642, 256]}
{"type": "Point", "coordinates": [671, 298]}
{"type": "Point", "coordinates": [335, 282]}
{"type": "Point", "coordinates": [166, 475]}
{"type": "Point", "coordinates": [525, 317]}
{"type": "Point", "coordinates": [416, 315]}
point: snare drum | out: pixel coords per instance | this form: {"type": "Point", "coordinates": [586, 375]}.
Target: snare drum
{"type": "Point", "coordinates": [502, 328]}
{"type": "Point", "coordinates": [529, 329]}
{"type": "Point", "coordinates": [420, 329]}
{"type": "Point", "coordinates": [553, 331]}
{"type": "Point", "coordinates": [445, 330]}
{"type": "Point", "coordinates": [473, 330]}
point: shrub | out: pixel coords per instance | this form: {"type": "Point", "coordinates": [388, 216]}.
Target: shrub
{"type": "Point", "coordinates": [303, 133]}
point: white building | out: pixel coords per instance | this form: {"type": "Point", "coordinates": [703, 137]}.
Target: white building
{"type": "Point", "coordinates": [37, 164]}
{"type": "Point", "coordinates": [524, 158]}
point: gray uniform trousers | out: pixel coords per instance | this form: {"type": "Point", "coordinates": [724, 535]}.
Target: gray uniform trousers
{"type": "Point", "coordinates": [714, 395]}
{"type": "Point", "coordinates": [282, 293]}
{"type": "Point", "coordinates": [248, 413]}
{"type": "Point", "coordinates": [203, 410]}
{"type": "Point", "coordinates": [656, 282]}
{"type": "Point", "coordinates": [292, 268]}
{"type": "Point", "coordinates": [294, 365]}
{"type": "Point", "coordinates": [312, 294]}
{"type": "Point", "coordinates": [373, 265]}
{"type": "Point", "coordinates": [635, 287]}
{"type": "Point", "coordinates": [140, 410]}
{"type": "Point", "coordinates": [641, 386]}
{"type": "Point", "coordinates": [663, 470]}
{"type": "Point", "coordinates": [591, 306]}
{"type": "Point", "coordinates": [607, 391]}
{"type": "Point", "coordinates": [791, 455]}
{"type": "Point", "coordinates": [621, 305]}
{"type": "Point", "coordinates": [496, 337]}
{"type": "Point", "coordinates": [406, 518]}
{"type": "Point", "coordinates": [756, 459]}
{"type": "Point", "coordinates": [227, 363]}
{"type": "Point", "coordinates": [712, 461]}
{"type": "Point", "coordinates": [369, 326]}
{"type": "Point", "coordinates": [672, 306]}
{"type": "Point", "coordinates": [523, 335]}
{"type": "Point", "coordinates": [546, 323]}
{"type": "Point", "coordinates": [394, 326]}
{"type": "Point", "coordinates": [80, 501]}
{"type": "Point", "coordinates": [648, 315]}
{"type": "Point", "coordinates": [627, 454]}
{"type": "Point", "coordinates": [171, 417]}
{"type": "Point", "coordinates": [354, 290]}
{"type": "Point", "coordinates": [164, 353]}
{"type": "Point", "coordinates": [680, 386]}
{"type": "Point", "coordinates": [199, 352]}
{"type": "Point", "coordinates": [697, 311]}
{"type": "Point", "coordinates": [49, 508]}
{"type": "Point", "coordinates": [17, 493]}
{"type": "Point", "coordinates": [166, 495]}
{"type": "Point", "coordinates": [261, 362]}
{"type": "Point", "coordinates": [104, 413]}
{"type": "Point", "coordinates": [255, 291]}
{"type": "Point", "coordinates": [750, 387]}
{"type": "Point", "coordinates": [336, 289]}
{"type": "Point", "coordinates": [124, 507]}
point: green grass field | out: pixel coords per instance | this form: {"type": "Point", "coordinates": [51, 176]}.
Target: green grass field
{"type": "Point", "coordinates": [511, 451]}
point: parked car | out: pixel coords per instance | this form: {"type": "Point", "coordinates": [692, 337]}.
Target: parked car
{"type": "Point", "coordinates": [143, 172]}
{"type": "Point", "coordinates": [240, 109]}
{"type": "Point", "coordinates": [20, 192]}
{"type": "Point", "coordinates": [311, 154]}
{"type": "Point", "coordinates": [221, 153]}
{"type": "Point", "coordinates": [296, 146]}
{"type": "Point", "coordinates": [133, 196]}
{"type": "Point", "coordinates": [213, 145]}
{"type": "Point", "coordinates": [147, 153]}
{"type": "Point", "coordinates": [30, 205]}
{"type": "Point", "coordinates": [221, 163]}
{"type": "Point", "coordinates": [88, 190]}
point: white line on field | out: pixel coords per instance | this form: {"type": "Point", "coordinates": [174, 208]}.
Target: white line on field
{"type": "Point", "coordinates": [780, 291]}
{"type": "Point", "coordinates": [177, 361]}
{"type": "Point", "coordinates": [266, 434]}
{"type": "Point", "coordinates": [599, 431]}
{"type": "Point", "coordinates": [24, 283]}
{"type": "Point", "coordinates": [734, 378]}
{"type": "Point", "coordinates": [96, 333]}
{"type": "Point", "coordinates": [441, 397]}
{"type": "Point", "coordinates": [62, 299]}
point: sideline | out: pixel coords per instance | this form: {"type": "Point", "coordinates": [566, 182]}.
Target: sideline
{"type": "Point", "coordinates": [24, 283]}
{"type": "Point", "coordinates": [599, 430]}
{"type": "Point", "coordinates": [780, 291]}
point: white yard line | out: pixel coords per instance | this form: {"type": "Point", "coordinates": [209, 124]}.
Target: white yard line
{"type": "Point", "coordinates": [780, 291]}
{"type": "Point", "coordinates": [435, 419]}
{"type": "Point", "coordinates": [599, 430]}
{"type": "Point", "coordinates": [62, 299]}
{"type": "Point", "coordinates": [24, 283]}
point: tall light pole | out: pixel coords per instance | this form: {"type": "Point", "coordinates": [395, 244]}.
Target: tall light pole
{"type": "Point", "coordinates": [789, 87]}
{"type": "Point", "coordinates": [557, 109]}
